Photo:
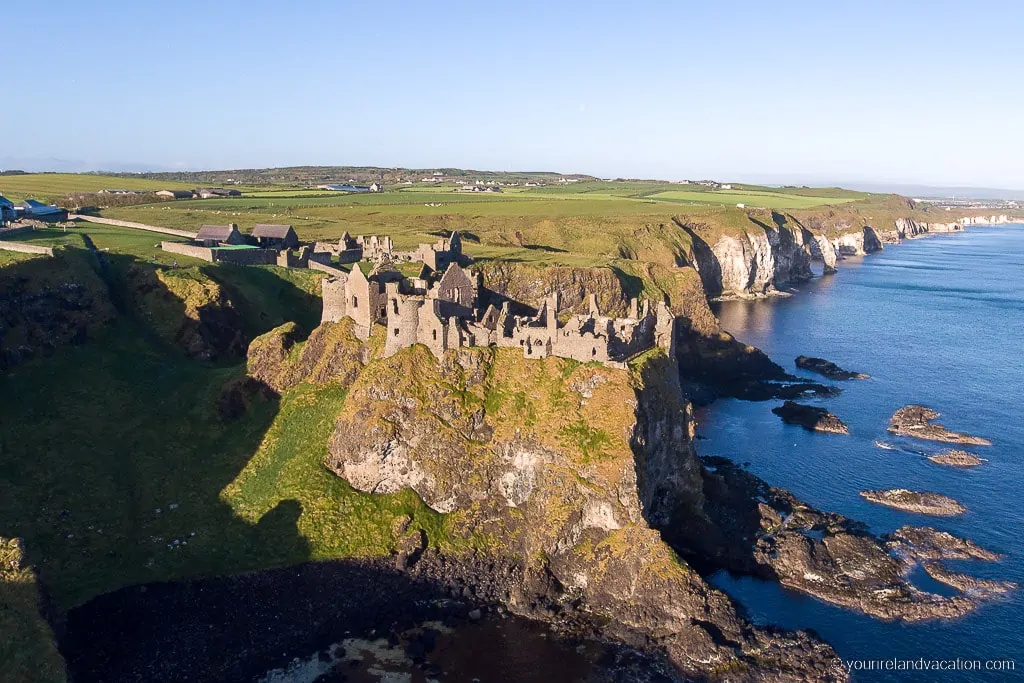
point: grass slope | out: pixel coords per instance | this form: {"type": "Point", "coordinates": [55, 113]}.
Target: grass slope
{"type": "Point", "coordinates": [117, 469]}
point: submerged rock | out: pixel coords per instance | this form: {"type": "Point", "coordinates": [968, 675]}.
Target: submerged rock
{"type": "Point", "coordinates": [916, 421]}
{"type": "Point", "coordinates": [827, 368]}
{"type": "Point", "coordinates": [956, 458]}
{"type": "Point", "coordinates": [922, 502]}
{"type": "Point", "coordinates": [812, 418]}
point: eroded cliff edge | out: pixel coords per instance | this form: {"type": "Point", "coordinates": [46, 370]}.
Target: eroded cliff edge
{"type": "Point", "coordinates": [559, 470]}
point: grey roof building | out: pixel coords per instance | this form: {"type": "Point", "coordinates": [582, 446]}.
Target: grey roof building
{"type": "Point", "coordinates": [274, 236]}
{"type": "Point", "coordinates": [220, 234]}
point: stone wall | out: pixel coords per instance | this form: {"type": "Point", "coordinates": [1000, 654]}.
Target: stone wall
{"type": "Point", "coordinates": [25, 248]}
{"type": "Point", "coordinates": [136, 226]}
{"type": "Point", "coordinates": [294, 259]}
{"type": "Point", "coordinates": [204, 253]}
{"type": "Point", "coordinates": [246, 257]}
{"type": "Point", "coordinates": [18, 230]}
{"type": "Point", "coordinates": [334, 293]}
{"type": "Point", "coordinates": [324, 268]}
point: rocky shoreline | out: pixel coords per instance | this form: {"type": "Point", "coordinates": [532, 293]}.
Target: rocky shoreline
{"type": "Point", "coordinates": [237, 628]}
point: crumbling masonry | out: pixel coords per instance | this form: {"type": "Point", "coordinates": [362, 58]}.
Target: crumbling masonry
{"type": "Point", "coordinates": [444, 313]}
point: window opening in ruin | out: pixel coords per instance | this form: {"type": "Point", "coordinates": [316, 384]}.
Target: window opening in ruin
{"type": "Point", "coordinates": [396, 331]}
{"type": "Point", "coordinates": [355, 302]}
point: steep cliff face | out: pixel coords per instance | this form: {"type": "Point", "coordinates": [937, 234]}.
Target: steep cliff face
{"type": "Point", "coordinates": [561, 468]}
{"type": "Point", "coordinates": [858, 242]}
{"type": "Point", "coordinates": [772, 250]}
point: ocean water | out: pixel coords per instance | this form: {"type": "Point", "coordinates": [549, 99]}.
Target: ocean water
{"type": "Point", "coordinates": [936, 321]}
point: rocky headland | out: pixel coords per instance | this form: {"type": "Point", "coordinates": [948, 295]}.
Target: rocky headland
{"type": "Point", "coordinates": [574, 469]}
{"type": "Point", "coordinates": [811, 418]}
{"type": "Point", "coordinates": [917, 422]}
{"type": "Point", "coordinates": [921, 502]}
{"type": "Point", "coordinates": [827, 369]}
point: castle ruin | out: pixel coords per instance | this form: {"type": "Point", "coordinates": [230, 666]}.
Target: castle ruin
{"type": "Point", "coordinates": [440, 309]}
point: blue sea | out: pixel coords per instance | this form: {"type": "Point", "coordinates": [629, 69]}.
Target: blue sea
{"type": "Point", "coordinates": [936, 321]}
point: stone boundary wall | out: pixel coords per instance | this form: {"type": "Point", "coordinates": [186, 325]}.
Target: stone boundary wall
{"type": "Point", "coordinates": [245, 257]}
{"type": "Point", "coordinates": [330, 270]}
{"type": "Point", "coordinates": [25, 248]}
{"type": "Point", "coordinates": [136, 226]}
{"type": "Point", "coordinates": [10, 232]}
{"type": "Point", "coordinates": [204, 253]}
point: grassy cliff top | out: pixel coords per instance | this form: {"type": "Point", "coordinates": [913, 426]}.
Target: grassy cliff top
{"type": "Point", "coordinates": [576, 224]}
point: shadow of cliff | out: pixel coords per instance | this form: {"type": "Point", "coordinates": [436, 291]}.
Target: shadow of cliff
{"type": "Point", "coordinates": [114, 452]}
{"type": "Point", "coordinates": [707, 264]}
{"type": "Point", "coordinates": [237, 627]}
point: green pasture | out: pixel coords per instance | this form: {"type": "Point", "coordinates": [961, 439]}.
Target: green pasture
{"type": "Point", "coordinates": [52, 186]}
{"type": "Point", "coordinates": [750, 198]}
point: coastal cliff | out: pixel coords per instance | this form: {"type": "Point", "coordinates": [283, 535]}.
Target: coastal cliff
{"type": "Point", "coordinates": [769, 250]}
{"type": "Point", "coordinates": [560, 471]}
{"type": "Point", "coordinates": [757, 255]}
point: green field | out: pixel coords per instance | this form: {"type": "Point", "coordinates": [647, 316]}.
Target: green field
{"type": "Point", "coordinates": [576, 224]}
{"type": "Point", "coordinates": [52, 186]}
{"type": "Point", "coordinates": [751, 198]}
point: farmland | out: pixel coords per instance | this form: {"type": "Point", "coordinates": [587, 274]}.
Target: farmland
{"type": "Point", "coordinates": [583, 223]}
{"type": "Point", "coordinates": [52, 186]}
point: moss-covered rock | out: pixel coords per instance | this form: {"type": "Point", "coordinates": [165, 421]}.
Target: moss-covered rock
{"type": "Point", "coordinates": [187, 308]}
{"type": "Point", "coordinates": [561, 468]}
{"type": "Point", "coordinates": [28, 652]}
{"type": "Point", "coordinates": [48, 303]}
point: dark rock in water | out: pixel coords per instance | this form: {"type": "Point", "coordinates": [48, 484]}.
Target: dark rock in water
{"type": "Point", "coordinates": [827, 368]}
{"type": "Point", "coordinates": [766, 532]}
{"type": "Point", "coordinates": [922, 502]}
{"type": "Point", "coordinates": [966, 583]}
{"type": "Point", "coordinates": [812, 418]}
{"type": "Point", "coordinates": [916, 421]}
{"type": "Point", "coordinates": [956, 458]}
{"type": "Point", "coordinates": [922, 543]}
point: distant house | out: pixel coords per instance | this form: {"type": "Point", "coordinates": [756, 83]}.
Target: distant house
{"type": "Point", "coordinates": [30, 208]}
{"type": "Point", "coordinates": [271, 236]}
{"type": "Point", "coordinates": [212, 235]}
{"type": "Point", "coordinates": [211, 192]}
{"type": "Point", "coordinates": [175, 194]}
{"type": "Point", "coordinates": [376, 187]}
{"type": "Point", "coordinates": [118, 191]}
{"type": "Point", "coordinates": [346, 187]}
{"type": "Point", "coordinates": [6, 209]}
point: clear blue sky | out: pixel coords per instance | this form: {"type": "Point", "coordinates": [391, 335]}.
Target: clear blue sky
{"type": "Point", "coordinates": [925, 92]}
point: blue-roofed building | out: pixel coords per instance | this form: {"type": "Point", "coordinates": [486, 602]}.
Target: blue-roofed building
{"type": "Point", "coordinates": [6, 209]}
{"type": "Point", "coordinates": [30, 208]}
